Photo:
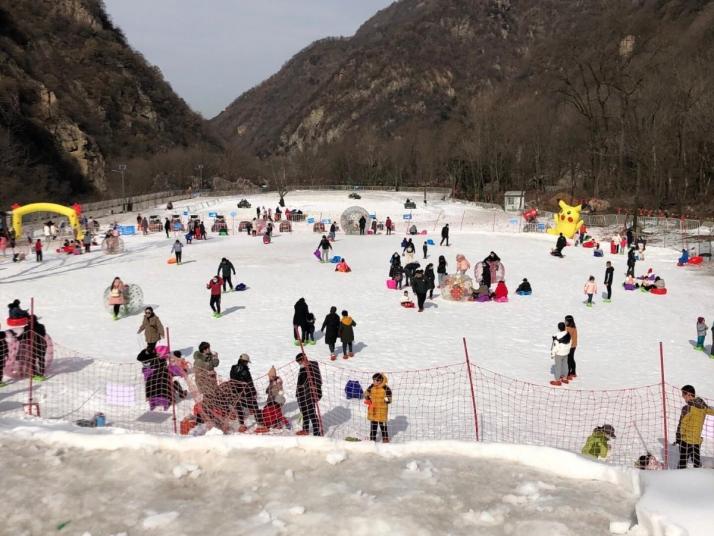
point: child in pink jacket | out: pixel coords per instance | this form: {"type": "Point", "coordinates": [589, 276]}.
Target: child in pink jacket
{"type": "Point", "coordinates": [590, 289]}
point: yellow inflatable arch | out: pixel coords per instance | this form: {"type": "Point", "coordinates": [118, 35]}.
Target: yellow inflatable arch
{"type": "Point", "coordinates": [68, 212]}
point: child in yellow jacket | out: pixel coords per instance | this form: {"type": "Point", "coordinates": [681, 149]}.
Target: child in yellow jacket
{"type": "Point", "coordinates": [378, 397]}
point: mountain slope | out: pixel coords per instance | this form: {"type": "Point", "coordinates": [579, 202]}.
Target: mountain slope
{"type": "Point", "coordinates": [75, 98]}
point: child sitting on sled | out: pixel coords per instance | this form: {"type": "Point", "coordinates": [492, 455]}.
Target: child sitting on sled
{"type": "Point", "coordinates": [405, 300]}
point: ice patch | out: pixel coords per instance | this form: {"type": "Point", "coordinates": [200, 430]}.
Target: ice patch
{"type": "Point", "coordinates": [155, 521]}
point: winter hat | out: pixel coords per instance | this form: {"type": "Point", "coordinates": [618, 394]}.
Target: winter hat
{"type": "Point", "coordinates": [244, 357]}
{"type": "Point", "coordinates": [300, 357]}
{"type": "Point", "coordinates": [700, 319]}
{"type": "Point", "coordinates": [609, 430]}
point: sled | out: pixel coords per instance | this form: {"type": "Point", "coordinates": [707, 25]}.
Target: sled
{"type": "Point", "coordinates": [172, 260]}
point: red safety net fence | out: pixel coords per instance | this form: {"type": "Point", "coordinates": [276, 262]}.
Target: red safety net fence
{"type": "Point", "coordinates": [453, 402]}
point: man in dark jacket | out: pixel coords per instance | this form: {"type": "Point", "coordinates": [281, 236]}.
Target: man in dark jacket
{"type": "Point", "coordinates": [324, 247]}
{"type": "Point", "coordinates": [362, 224]}
{"type": "Point", "coordinates": [630, 237]}
{"type": "Point", "coordinates": [308, 393]}
{"type": "Point", "coordinates": [559, 246]}
{"type": "Point", "coordinates": [420, 288]}
{"type": "Point", "coordinates": [444, 235]}
{"type": "Point", "coordinates": [167, 227]}
{"type": "Point", "coordinates": [409, 271]}
{"type": "Point", "coordinates": [240, 374]}
{"type": "Point", "coordinates": [33, 347]}
{"type": "Point", "coordinates": [609, 271]}
{"type": "Point", "coordinates": [225, 269]}
{"type": "Point", "coordinates": [332, 324]}
{"type": "Point", "coordinates": [300, 319]}
{"type": "Point", "coordinates": [631, 259]}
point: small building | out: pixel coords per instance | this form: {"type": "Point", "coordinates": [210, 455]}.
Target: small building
{"type": "Point", "coordinates": [514, 200]}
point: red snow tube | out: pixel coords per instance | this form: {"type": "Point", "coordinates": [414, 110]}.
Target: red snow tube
{"type": "Point", "coordinates": [589, 244]}
{"type": "Point", "coordinates": [695, 260]}
{"type": "Point", "coordinates": [17, 322]}
{"type": "Point", "coordinates": [658, 291]}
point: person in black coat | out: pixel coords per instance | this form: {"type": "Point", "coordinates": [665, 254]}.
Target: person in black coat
{"type": "Point", "coordinates": [444, 235]}
{"type": "Point", "coordinates": [308, 393]}
{"type": "Point", "coordinates": [630, 237]}
{"type": "Point", "coordinates": [33, 346]}
{"type": "Point", "coordinates": [167, 227]}
{"type": "Point", "coordinates": [441, 269]}
{"type": "Point", "coordinates": [331, 326]}
{"type": "Point", "coordinates": [157, 378]}
{"type": "Point", "coordinates": [244, 386]}
{"type": "Point", "coordinates": [420, 288]}
{"type": "Point", "coordinates": [362, 224]}
{"type": "Point", "coordinates": [409, 271]}
{"type": "Point", "coordinates": [300, 319]}
{"type": "Point", "coordinates": [609, 272]}
{"type": "Point", "coordinates": [430, 278]}
{"type": "Point", "coordinates": [4, 351]}
{"type": "Point", "coordinates": [396, 260]}
{"type": "Point", "coordinates": [559, 246]}
{"type": "Point", "coordinates": [225, 269]}
{"type": "Point", "coordinates": [631, 260]}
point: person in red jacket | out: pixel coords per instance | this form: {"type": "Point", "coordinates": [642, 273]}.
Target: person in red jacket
{"type": "Point", "coordinates": [501, 293]}
{"type": "Point", "coordinates": [388, 225]}
{"type": "Point", "coordinates": [214, 285]}
{"type": "Point", "coordinates": [38, 250]}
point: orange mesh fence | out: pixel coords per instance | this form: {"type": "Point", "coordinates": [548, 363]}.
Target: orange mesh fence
{"type": "Point", "coordinates": [166, 396]}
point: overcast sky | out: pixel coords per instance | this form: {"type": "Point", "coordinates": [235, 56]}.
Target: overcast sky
{"type": "Point", "coordinates": [211, 51]}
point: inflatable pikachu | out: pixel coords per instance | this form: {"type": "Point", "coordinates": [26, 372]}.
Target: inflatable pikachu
{"type": "Point", "coordinates": [567, 221]}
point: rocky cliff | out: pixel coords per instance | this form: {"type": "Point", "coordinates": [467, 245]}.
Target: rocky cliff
{"type": "Point", "coordinates": [75, 98]}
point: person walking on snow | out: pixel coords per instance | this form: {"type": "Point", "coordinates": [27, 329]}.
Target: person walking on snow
{"type": "Point", "coordinates": [332, 325]}
{"type": "Point", "coordinates": [420, 288]}
{"type": "Point", "coordinates": [308, 393]}
{"type": "Point", "coordinates": [573, 332]}
{"type": "Point", "coordinates": [152, 327]}
{"type": "Point", "coordinates": [301, 311]}
{"type": "Point", "coordinates": [116, 296]}
{"type": "Point", "coordinates": [388, 225]}
{"type": "Point", "coordinates": [631, 260]}
{"type": "Point", "coordinates": [362, 224]}
{"type": "Point", "coordinates": [204, 363]}
{"type": "Point", "coordinates": [38, 250]}
{"type": "Point", "coordinates": [347, 334]}
{"type": "Point", "coordinates": [378, 396]}
{"type": "Point", "coordinates": [689, 429]}
{"type": "Point", "coordinates": [167, 227]}
{"type": "Point", "coordinates": [214, 285]}
{"type": "Point", "coordinates": [310, 328]}
{"type": "Point", "coordinates": [144, 226]}
{"type": "Point", "coordinates": [324, 246]}
{"type": "Point", "coordinates": [176, 250]}
{"type": "Point", "coordinates": [701, 333]}
{"type": "Point", "coordinates": [430, 277]}
{"type": "Point", "coordinates": [409, 250]}
{"type": "Point", "coordinates": [225, 269]}
{"type": "Point", "coordinates": [333, 231]}
{"type": "Point", "coordinates": [425, 249]}
{"type": "Point", "coordinates": [441, 270]}
{"type": "Point", "coordinates": [559, 352]}
{"type": "Point", "coordinates": [609, 272]}
{"type": "Point", "coordinates": [444, 235]}
{"type": "Point", "coordinates": [590, 289]}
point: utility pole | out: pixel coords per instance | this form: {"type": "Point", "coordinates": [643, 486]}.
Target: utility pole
{"type": "Point", "coordinates": [121, 168]}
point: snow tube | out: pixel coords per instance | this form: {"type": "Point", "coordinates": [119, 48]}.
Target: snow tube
{"type": "Point", "coordinates": [628, 287]}
{"type": "Point", "coordinates": [524, 292]}
{"type": "Point", "coordinates": [660, 291]}
{"type": "Point", "coordinates": [17, 322]}
{"type": "Point", "coordinates": [589, 244]}
{"type": "Point", "coordinates": [391, 284]}
{"type": "Point", "coordinates": [353, 389]}
{"type": "Point", "coordinates": [695, 260]}
{"type": "Point", "coordinates": [407, 305]}
{"type": "Point", "coordinates": [240, 286]}
{"type": "Point", "coordinates": [172, 260]}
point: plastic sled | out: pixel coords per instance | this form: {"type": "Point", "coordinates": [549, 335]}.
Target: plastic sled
{"type": "Point", "coordinates": [335, 259]}
{"type": "Point", "coordinates": [524, 292]}
{"type": "Point", "coordinates": [391, 284]}
{"type": "Point", "coordinates": [695, 260]}
{"type": "Point", "coordinates": [483, 299]}
{"type": "Point", "coordinates": [598, 253]}
{"type": "Point", "coordinates": [660, 291]}
{"type": "Point", "coordinates": [407, 305]}
{"type": "Point", "coordinates": [158, 401]}
{"type": "Point", "coordinates": [317, 254]}
{"type": "Point", "coordinates": [172, 260]}
{"type": "Point", "coordinates": [589, 244]}
{"type": "Point", "coordinates": [423, 232]}
{"type": "Point", "coordinates": [504, 299]}
{"type": "Point", "coordinates": [629, 287]}
{"type": "Point", "coordinates": [17, 322]}
{"type": "Point", "coordinates": [430, 242]}
{"type": "Point", "coordinates": [240, 286]}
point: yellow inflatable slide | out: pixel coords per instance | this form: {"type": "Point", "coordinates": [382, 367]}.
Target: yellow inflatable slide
{"type": "Point", "coordinates": [71, 213]}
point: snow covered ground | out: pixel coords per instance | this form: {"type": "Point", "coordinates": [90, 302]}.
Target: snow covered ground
{"type": "Point", "coordinates": [618, 348]}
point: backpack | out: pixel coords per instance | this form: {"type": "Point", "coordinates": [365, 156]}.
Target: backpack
{"type": "Point", "coordinates": [353, 390]}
